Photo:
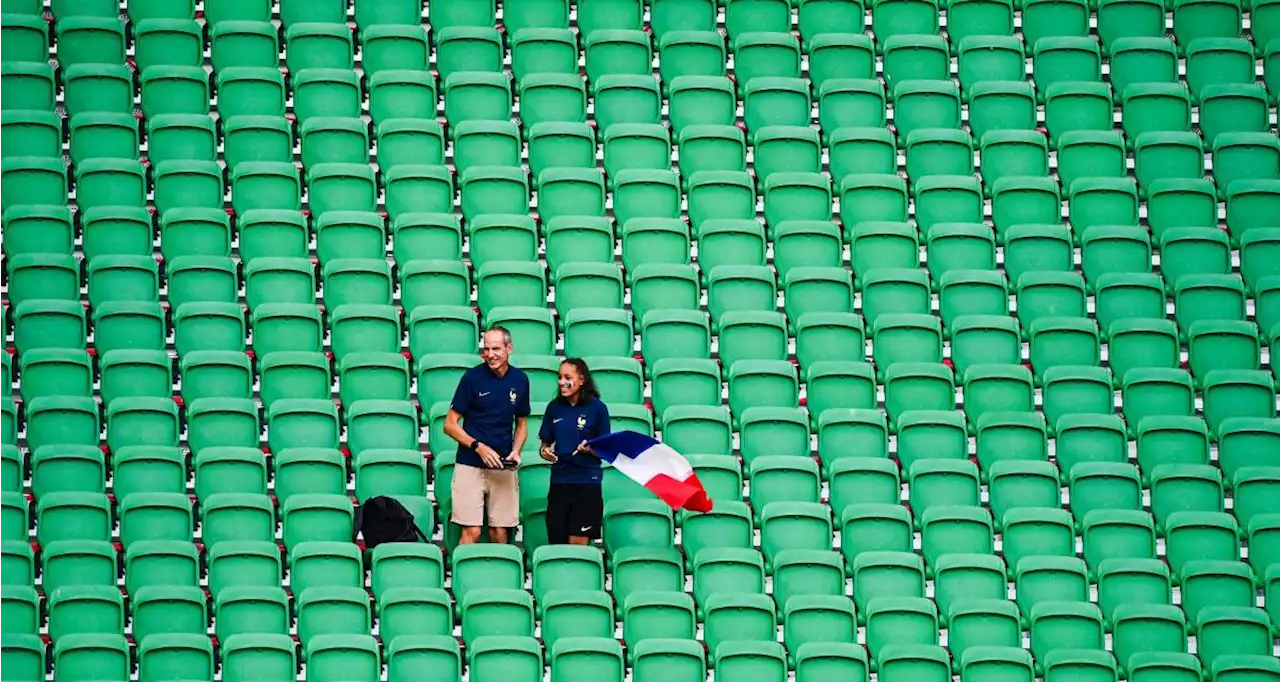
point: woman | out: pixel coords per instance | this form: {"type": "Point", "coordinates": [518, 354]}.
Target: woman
{"type": "Point", "coordinates": [575, 505]}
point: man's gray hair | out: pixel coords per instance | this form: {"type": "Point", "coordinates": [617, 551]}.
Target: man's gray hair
{"type": "Point", "coordinates": [506, 334]}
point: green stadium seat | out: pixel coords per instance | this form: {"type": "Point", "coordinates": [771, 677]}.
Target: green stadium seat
{"type": "Point", "coordinates": [1089, 154]}
{"type": "Point", "coordinates": [500, 237]}
{"type": "Point", "coordinates": [42, 229]}
{"type": "Point", "coordinates": [31, 86]}
{"type": "Point", "coordinates": [1095, 202]}
{"type": "Point", "coordinates": [542, 50]}
{"type": "Point", "coordinates": [334, 657]}
{"type": "Point", "coordinates": [497, 611]}
{"type": "Point", "coordinates": [1053, 19]}
{"type": "Point", "coordinates": [1237, 393]}
{"type": "Point", "coordinates": [246, 44]}
{"type": "Point", "coordinates": [619, 49]}
{"type": "Point", "coordinates": [690, 53]}
{"type": "Point", "coordinates": [941, 482]}
{"type": "Point", "coordinates": [409, 613]}
{"type": "Point", "coordinates": [914, 57]}
{"type": "Point", "coordinates": [1013, 435]}
{"type": "Point", "coordinates": [1243, 666]}
{"type": "Point", "coordinates": [918, 386]}
{"type": "Point", "coordinates": [992, 389]}
{"type": "Point", "coordinates": [184, 90]}
{"type": "Point", "coordinates": [1076, 106]}
{"type": "Point", "coordinates": [1224, 631]}
{"type": "Point", "coordinates": [246, 576]}
{"type": "Point", "coordinates": [868, 149]}
{"type": "Point", "coordinates": [1051, 581]}
{"type": "Point", "coordinates": [77, 563]}
{"type": "Point", "coordinates": [874, 527]}
{"type": "Point", "coordinates": [1077, 390]}
{"type": "Point", "coordinates": [1232, 107]}
{"type": "Point", "coordinates": [957, 247]}
{"type": "Point", "coordinates": [176, 40]}
{"type": "Point", "coordinates": [851, 102]}
{"type": "Point", "coordinates": [701, 100]}
{"type": "Point", "coordinates": [257, 138]}
{"type": "Point", "coordinates": [881, 201]}
{"type": "Point", "coordinates": [892, 291]}
{"type": "Point", "coordinates": [67, 468]}
{"type": "Point", "coordinates": [1244, 441]}
{"type": "Point", "coordinates": [644, 193]}
{"type": "Point", "coordinates": [381, 424]}
{"type": "Point", "coordinates": [901, 336]}
{"type": "Point", "coordinates": [28, 36]}
{"type": "Point", "coordinates": [160, 562]}
{"type": "Point", "coordinates": [568, 615]}
{"type": "Point", "coordinates": [280, 280]}
{"type": "Point", "coordinates": [294, 374]}
{"type": "Point", "coordinates": [92, 654]}
{"type": "Point", "coordinates": [1062, 342]}
{"type": "Point", "coordinates": [880, 244]}
{"type": "Point", "coordinates": [275, 186]}
{"type": "Point", "coordinates": [334, 140]}
{"type": "Point", "coordinates": [97, 135]}
{"type": "Point", "coordinates": [249, 655]}
{"type": "Point", "coordinates": [233, 517]}
{"type": "Point", "coordinates": [483, 565]}
{"type": "Point", "coordinates": [1064, 58]}
{"type": "Point", "coordinates": [107, 182]}
{"type": "Point", "coordinates": [89, 40]}
{"type": "Point", "coordinates": [836, 384]}
{"type": "Point", "coordinates": [194, 184]}
{"type": "Point", "coordinates": [712, 147]}
{"type": "Point", "coordinates": [984, 340]}
{"type": "Point", "coordinates": [54, 371]}
{"type": "Point", "coordinates": [570, 191]}
{"type": "Point", "coordinates": [202, 278]}
{"type": "Point", "coordinates": [30, 179]}
{"type": "Point", "coordinates": [111, 278]}
{"type": "Point", "coordinates": [318, 45]}
{"type": "Point", "coordinates": [85, 609]}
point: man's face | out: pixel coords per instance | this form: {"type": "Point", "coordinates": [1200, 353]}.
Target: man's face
{"type": "Point", "coordinates": [495, 350]}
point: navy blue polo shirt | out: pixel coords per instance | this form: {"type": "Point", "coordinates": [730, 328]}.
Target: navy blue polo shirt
{"type": "Point", "coordinates": [566, 426]}
{"type": "Point", "coordinates": [489, 405]}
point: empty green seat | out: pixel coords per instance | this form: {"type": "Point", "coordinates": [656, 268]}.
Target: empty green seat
{"type": "Point", "coordinates": [89, 654]}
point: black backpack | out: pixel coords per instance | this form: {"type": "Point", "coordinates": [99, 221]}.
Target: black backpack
{"type": "Point", "coordinates": [383, 519]}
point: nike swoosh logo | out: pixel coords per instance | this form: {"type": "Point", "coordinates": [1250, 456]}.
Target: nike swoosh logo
{"type": "Point", "coordinates": [587, 529]}
{"type": "Point", "coordinates": [484, 394]}
{"type": "Point", "coordinates": [556, 421]}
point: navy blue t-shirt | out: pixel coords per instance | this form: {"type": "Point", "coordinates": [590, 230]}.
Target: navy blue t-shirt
{"type": "Point", "coordinates": [568, 425]}
{"type": "Point", "coordinates": [489, 405]}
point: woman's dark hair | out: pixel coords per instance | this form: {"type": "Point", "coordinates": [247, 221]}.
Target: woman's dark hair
{"type": "Point", "coordinates": [588, 390]}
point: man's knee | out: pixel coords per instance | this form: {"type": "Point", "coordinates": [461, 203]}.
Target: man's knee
{"type": "Point", "coordinates": [498, 536]}
{"type": "Point", "coordinates": [469, 535]}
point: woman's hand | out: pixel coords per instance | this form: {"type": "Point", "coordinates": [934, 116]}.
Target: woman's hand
{"type": "Point", "coordinates": [584, 449]}
{"type": "Point", "coordinates": [548, 453]}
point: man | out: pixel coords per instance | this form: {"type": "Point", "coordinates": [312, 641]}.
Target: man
{"type": "Point", "coordinates": [489, 419]}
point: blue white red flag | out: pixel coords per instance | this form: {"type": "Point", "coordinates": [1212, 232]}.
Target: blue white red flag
{"type": "Point", "coordinates": [665, 472]}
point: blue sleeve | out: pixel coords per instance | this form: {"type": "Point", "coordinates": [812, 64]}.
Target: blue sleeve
{"type": "Point", "coordinates": [523, 409]}
{"type": "Point", "coordinates": [602, 421]}
{"type": "Point", "coordinates": [546, 433]}
{"type": "Point", "coordinates": [462, 396]}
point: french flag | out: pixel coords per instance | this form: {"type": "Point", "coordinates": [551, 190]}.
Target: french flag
{"type": "Point", "coordinates": [665, 472]}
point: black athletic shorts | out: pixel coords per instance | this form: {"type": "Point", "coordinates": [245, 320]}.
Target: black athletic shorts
{"type": "Point", "coordinates": [573, 510]}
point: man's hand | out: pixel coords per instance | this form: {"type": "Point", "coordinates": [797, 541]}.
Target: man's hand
{"type": "Point", "coordinates": [489, 456]}
{"type": "Point", "coordinates": [548, 453]}
{"type": "Point", "coordinates": [514, 458]}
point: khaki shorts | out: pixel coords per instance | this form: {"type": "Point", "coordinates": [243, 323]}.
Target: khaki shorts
{"type": "Point", "coordinates": [473, 487]}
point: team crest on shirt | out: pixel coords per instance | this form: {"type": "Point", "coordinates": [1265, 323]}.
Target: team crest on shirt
{"type": "Point", "coordinates": [582, 422]}
{"type": "Point", "coordinates": [512, 395]}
